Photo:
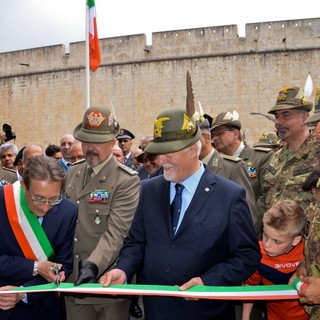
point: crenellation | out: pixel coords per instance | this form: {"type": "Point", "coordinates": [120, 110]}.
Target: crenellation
{"type": "Point", "coordinates": [43, 92]}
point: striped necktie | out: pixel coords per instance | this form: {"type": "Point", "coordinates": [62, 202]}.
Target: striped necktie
{"type": "Point", "coordinates": [176, 207]}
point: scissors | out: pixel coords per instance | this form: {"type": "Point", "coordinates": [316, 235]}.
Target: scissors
{"type": "Point", "coordinates": [56, 270]}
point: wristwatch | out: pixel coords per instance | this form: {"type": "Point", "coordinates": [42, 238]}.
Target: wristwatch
{"type": "Point", "coordinates": [35, 268]}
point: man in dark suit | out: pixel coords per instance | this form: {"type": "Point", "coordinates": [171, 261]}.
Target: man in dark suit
{"type": "Point", "coordinates": [209, 240]}
{"type": "Point", "coordinates": [230, 167]}
{"type": "Point", "coordinates": [32, 209]}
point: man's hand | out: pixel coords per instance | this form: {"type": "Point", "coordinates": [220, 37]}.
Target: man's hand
{"type": "Point", "coordinates": [300, 273]}
{"type": "Point", "coordinates": [311, 294]}
{"type": "Point", "coordinates": [8, 301]}
{"type": "Point", "coordinates": [115, 276]}
{"type": "Point", "coordinates": [88, 272]}
{"type": "Point", "coordinates": [191, 283]}
{"type": "Point", "coordinates": [46, 271]}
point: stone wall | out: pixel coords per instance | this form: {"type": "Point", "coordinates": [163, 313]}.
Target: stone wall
{"type": "Point", "coordinates": [43, 94]}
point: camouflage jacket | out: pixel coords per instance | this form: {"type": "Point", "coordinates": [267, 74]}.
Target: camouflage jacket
{"type": "Point", "coordinates": [284, 176]}
{"type": "Point", "coordinates": [312, 247]}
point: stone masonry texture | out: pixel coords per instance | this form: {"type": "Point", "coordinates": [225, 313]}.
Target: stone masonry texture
{"type": "Point", "coordinates": [43, 95]}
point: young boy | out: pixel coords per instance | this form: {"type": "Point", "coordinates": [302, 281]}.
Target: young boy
{"type": "Point", "coordinates": [282, 250]}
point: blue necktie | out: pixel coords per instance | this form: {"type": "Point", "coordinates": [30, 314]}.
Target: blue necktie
{"type": "Point", "coordinates": [176, 207]}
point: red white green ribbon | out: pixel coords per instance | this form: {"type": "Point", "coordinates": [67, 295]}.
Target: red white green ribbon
{"type": "Point", "coordinates": [273, 292]}
{"type": "Point", "coordinates": [29, 233]}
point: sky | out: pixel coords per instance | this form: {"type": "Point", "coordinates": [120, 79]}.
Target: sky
{"type": "Point", "coordinates": [26, 24]}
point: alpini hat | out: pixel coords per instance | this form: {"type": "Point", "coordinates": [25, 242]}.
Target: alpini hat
{"type": "Point", "coordinates": [98, 126]}
{"type": "Point", "coordinates": [201, 121]}
{"type": "Point", "coordinates": [316, 116]}
{"type": "Point", "coordinates": [173, 131]}
{"type": "Point", "coordinates": [268, 140]}
{"type": "Point", "coordinates": [291, 98]}
{"type": "Point", "coordinates": [227, 119]}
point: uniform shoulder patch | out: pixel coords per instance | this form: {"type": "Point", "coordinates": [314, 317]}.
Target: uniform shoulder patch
{"type": "Point", "coordinates": [231, 158]}
{"type": "Point", "coordinates": [127, 169]}
{"type": "Point", "coordinates": [263, 149]}
{"type": "Point", "coordinates": [9, 170]}
{"type": "Point", "coordinates": [77, 162]}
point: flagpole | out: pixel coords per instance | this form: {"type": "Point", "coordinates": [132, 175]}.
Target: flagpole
{"type": "Point", "coordinates": [87, 70]}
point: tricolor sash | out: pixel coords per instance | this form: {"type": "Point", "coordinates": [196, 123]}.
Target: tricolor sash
{"type": "Point", "coordinates": [28, 231]}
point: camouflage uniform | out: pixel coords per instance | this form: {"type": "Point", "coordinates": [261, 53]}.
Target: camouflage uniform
{"type": "Point", "coordinates": [312, 242]}
{"type": "Point", "coordinates": [284, 176]}
{"type": "Point", "coordinates": [312, 248]}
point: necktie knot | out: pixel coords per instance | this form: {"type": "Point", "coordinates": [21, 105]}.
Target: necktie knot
{"type": "Point", "coordinates": [179, 188]}
{"type": "Point", "coordinates": [88, 175]}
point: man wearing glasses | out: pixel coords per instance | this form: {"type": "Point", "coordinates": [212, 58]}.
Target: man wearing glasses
{"type": "Point", "coordinates": [226, 136]}
{"type": "Point", "coordinates": [37, 228]}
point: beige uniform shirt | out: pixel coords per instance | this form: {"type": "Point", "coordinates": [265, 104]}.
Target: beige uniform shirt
{"type": "Point", "coordinates": [106, 208]}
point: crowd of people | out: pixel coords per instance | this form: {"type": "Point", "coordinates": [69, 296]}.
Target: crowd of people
{"type": "Point", "coordinates": [194, 204]}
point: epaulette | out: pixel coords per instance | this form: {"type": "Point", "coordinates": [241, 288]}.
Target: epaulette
{"type": "Point", "coordinates": [127, 169]}
{"type": "Point", "coordinates": [263, 149]}
{"type": "Point", "coordinates": [232, 158]}
{"type": "Point", "coordinates": [77, 162]}
{"type": "Point", "coordinates": [10, 170]}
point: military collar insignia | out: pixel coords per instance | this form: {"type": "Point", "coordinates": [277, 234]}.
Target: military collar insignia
{"type": "Point", "coordinates": [4, 182]}
{"type": "Point", "coordinates": [215, 162]}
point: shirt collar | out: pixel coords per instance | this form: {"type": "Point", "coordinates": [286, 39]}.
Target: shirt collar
{"type": "Point", "coordinates": [239, 150]}
{"type": "Point", "coordinates": [192, 182]}
{"type": "Point", "coordinates": [96, 169]}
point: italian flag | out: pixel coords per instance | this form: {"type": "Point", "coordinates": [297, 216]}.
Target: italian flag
{"type": "Point", "coordinates": [94, 48]}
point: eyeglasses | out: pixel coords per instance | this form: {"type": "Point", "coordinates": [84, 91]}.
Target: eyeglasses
{"type": "Point", "coordinates": [41, 201]}
{"type": "Point", "coordinates": [220, 132]}
{"type": "Point", "coordinates": [150, 158]}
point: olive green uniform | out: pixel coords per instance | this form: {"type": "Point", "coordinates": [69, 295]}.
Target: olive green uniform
{"type": "Point", "coordinates": [257, 160]}
{"type": "Point", "coordinates": [234, 169]}
{"type": "Point", "coordinates": [7, 176]}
